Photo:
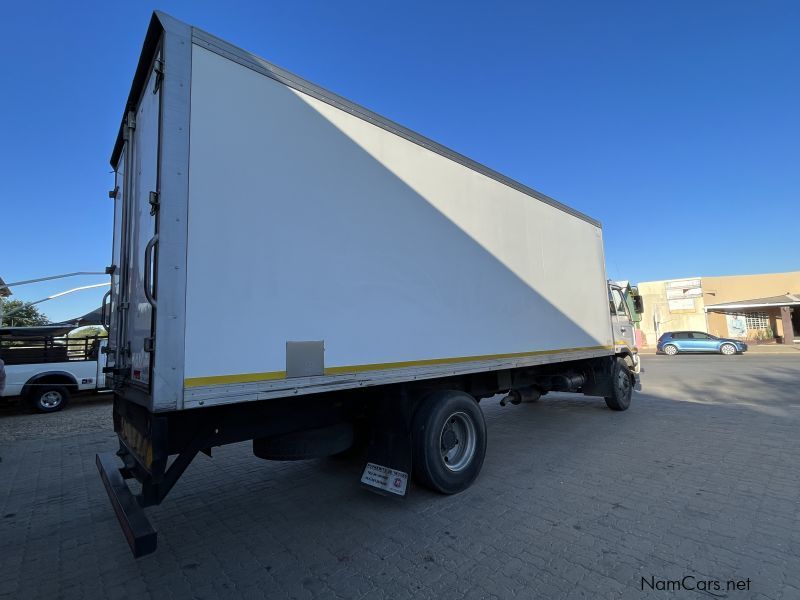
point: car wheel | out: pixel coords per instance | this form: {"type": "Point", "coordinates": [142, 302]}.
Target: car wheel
{"type": "Point", "coordinates": [449, 441]}
{"type": "Point", "coordinates": [622, 386]}
{"type": "Point", "coordinates": [49, 398]}
{"type": "Point", "coordinates": [727, 349]}
{"type": "Point", "coordinates": [670, 350]}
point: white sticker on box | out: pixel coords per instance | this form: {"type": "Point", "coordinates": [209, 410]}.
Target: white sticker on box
{"type": "Point", "coordinates": [384, 478]}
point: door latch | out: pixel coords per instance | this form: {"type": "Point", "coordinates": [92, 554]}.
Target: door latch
{"type": "Point", "coordinates": [149, 344]}
{"type": "Point", "coordinates": [154, 203]}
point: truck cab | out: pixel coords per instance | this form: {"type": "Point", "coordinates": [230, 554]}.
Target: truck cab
{"type": "Point", "coordinates": [625, 304]}
{"type": "Point", "coordinates": [45, 367]}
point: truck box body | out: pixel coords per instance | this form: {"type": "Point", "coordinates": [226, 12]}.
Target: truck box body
{"type": "Point", "coordinates": [273, 239]}
{"type": "Point", "coordinates": [294, 270]}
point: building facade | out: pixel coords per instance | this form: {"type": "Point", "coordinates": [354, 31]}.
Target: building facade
{"type": "Point", "coordinates": [758, 308]}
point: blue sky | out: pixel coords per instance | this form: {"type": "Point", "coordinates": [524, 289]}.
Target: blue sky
{"type": "Point", "coordinates": [674, 123]}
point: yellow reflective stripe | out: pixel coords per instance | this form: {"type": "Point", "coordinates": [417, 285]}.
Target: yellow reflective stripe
{"type": "Point", "coordinates": [271, 375]}
{"type": "Point", "coordinates": [239, 378]}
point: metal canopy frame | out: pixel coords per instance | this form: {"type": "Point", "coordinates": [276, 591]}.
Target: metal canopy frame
{"type": "Point", "coordinates": [772, 302]}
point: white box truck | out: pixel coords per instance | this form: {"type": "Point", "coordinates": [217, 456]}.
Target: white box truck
{"type": "Point", "coordinates": [294, 269]}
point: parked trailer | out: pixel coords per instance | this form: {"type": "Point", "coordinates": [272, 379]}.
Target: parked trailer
{"type": "Point", "coordinates": [294, 269]}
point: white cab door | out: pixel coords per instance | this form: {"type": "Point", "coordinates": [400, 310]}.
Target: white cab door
{"type": "Point", "coordinates": [621, 321]}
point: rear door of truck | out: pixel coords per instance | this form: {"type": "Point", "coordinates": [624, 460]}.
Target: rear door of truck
{"type": "Point", "coordinates": [133, 298]}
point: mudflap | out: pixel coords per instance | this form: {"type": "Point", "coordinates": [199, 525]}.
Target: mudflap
{"type": "Point", "coordinates": [599, 373]}
{"type": "Point", "coordinates": [599, 376]}
{"type": "Point", "coordinates": [138, 531]}
{"type": "Point", "coordinates": [388, 467]}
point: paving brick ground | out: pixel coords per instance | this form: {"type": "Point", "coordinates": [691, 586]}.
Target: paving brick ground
{"type": "Point", "coordinates": [701, 477]}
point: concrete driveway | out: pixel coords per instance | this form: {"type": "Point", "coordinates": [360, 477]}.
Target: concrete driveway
{"type": "Point", "coordinates": [697, 483]}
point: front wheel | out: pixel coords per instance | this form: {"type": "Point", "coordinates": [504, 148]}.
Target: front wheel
{"type": "Point", "coordinates": [449, 441]}
{"type": "Point", "coordinates": [670, 350]}
{"type": "Point", "coordinates": [622, 386]}
{"type": "Point", "coordinates": [728, 349]}
{"type": "Point", "coordinates": [49, 398]}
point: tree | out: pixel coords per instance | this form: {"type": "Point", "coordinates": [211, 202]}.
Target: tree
{"type": "Point", "coordinates": [29, 316]}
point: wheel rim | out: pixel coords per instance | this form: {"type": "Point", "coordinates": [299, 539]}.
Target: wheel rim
{"type": "Point", "coordinates": [728, 349]}
{"type": "Point", "coordinates": [50, 399]}
{"type": "Point", "coordinates": [623, 384]}
{"type": "Point", "coordinates": [671, 350]}
{"type": "Point", "coordinates": [457, 441]}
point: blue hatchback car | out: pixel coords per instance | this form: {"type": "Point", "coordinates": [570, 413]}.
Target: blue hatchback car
{"type": "Point", "coordinates": [673, 342]}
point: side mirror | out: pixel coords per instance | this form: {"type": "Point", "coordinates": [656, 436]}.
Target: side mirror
{"type": "Point", "coordinates": [638, 304]}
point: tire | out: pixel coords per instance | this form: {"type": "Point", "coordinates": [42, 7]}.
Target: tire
{"type": "Point", "coordinates": [670, 350]}
{"type": "Point", "coordinates": [361, 437]}
{"type": "Point", "coordinates": [49, 398]}
{"type": "Point", "coordinates": [622, 386]}
{"type": "Point", "coordinates": [303, 445]}
{"type": "Point", "coordinates": [727, 349]}
{"type": "Point", "coordinates": [448, 441]}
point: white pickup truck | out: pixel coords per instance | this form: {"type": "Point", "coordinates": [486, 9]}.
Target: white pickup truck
{"type": "Point", "coordinates": [45, 367]}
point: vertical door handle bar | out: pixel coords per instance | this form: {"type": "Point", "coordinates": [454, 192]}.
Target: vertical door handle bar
{"type": "Point", "coordinates": [147, 283]}
{"type": "Point", "coordinates": [103, 313]}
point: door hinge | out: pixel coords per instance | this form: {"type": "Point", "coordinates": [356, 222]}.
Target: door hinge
{"type": "Point", "coordinates": [111, 269]}
{"type": "Point", "coordinates": [113, 193]}
{"type": "Point", "coordinates": [158, 67]}
{"type": "Point", "coordinates": [149, 344]}
{"type": "Point", "coordinates": [154, 202]}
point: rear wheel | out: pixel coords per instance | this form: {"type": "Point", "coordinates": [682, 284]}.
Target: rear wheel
{"type": "Point", "coordinates": [728, 349]}
{"type": "Point", "coordinates": [622, 390]}
{"type": "Point", "coordinates": [670, 350]}
{"type": "Point", "coordinates": [448, 441]}
{"type": "Point", "coordinates": [49, 398]}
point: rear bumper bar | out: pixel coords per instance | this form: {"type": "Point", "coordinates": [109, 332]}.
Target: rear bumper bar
{"type": "Point", "coordinates": [137, 529]}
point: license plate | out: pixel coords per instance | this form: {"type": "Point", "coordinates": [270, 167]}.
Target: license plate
{"type": "Point", "coordinates": [385, 479]}
{"type": "Point", "coordinates": [140, 445]}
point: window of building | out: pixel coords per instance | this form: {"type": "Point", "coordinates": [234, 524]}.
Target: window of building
{"type": "Point", "coordinates": [757, 320]}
